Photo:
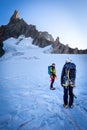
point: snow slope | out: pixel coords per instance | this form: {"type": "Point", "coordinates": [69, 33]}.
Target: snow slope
{"type": "Point", "coordinates": [26, 102]}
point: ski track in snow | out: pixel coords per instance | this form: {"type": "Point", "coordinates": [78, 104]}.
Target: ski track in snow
{"type": "Point", "coordinates": [27, 103]}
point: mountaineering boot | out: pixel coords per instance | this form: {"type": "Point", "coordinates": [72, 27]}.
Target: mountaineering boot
{"type": "Point", "coordinates": [52, 88]}
{"type": "Point", "coordinates": [70, 106]}
{"type": "Point", "coordinates": [65, 106]}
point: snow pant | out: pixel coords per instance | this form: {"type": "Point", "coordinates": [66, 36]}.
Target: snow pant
{"type": "Point", "coordinates": [68, 91]}
{"type": "Point", "coordinates": [51, 82]}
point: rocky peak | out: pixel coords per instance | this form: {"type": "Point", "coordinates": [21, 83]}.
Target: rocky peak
{"type": "Point", "coordinates": [14, 18]}
{"type": "Point", "coordinates": [17, 27]}
{"type": "Point", "coordinates": [57, 40]}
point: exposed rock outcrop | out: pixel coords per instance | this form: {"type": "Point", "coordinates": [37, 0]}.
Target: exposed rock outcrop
{"type": "Point", "coordinates": [60, 48]}
{"type": "Point", "coordinates": [14, 18]}
{"type": "Point", "coordinates": [17, 27]}
{"type": "Point", "coordinates": [43, 39]}
{"type": "Point", "coordinates": [1, 49]}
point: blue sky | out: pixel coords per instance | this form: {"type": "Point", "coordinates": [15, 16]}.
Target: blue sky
{"type": "Point", "coordinates": [64, 18]}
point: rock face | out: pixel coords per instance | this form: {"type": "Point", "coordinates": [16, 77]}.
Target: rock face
{"type": "Point", "coordinates": [43, 39]}
{"type": "Point", "coordinates": [17, 27]}
{"type": "Point", "coordinates": [65, 49]}
{"type": "Point", "coordinates": [14, 18]}
{"type": "Point", "coordinates": [1, 49]}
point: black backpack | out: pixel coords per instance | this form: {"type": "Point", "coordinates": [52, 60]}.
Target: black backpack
{"type": "Point", "coordinates": [69, 74]}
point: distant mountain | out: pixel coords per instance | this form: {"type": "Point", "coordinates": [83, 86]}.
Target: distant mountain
{"type": "Point", "coordinates": [60, 48]}
{"type": "Point", "coordinates": [17, 27]}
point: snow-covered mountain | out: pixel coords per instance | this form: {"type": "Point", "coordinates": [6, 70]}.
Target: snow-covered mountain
{"type": "Point", "coordinates": [17, 27]}
{"type": "Point", "coordinates": [26, 102]}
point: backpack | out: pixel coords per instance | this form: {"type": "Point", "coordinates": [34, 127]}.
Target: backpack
{"type": "Point", "coordinates": [49, 69]}
{"type": "Point", "coordinates": [70, 74]}
{"type": "Point", "coordinates": [72, 71]}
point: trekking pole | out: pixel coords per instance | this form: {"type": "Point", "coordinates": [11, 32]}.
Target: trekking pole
{"type": "Point", "coordinates": [74, 95]}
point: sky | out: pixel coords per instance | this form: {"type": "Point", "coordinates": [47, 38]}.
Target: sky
{"type": "Point", "coordinates": [26, 101]}
{"type": "Point", "coordinates": [66, 19]}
